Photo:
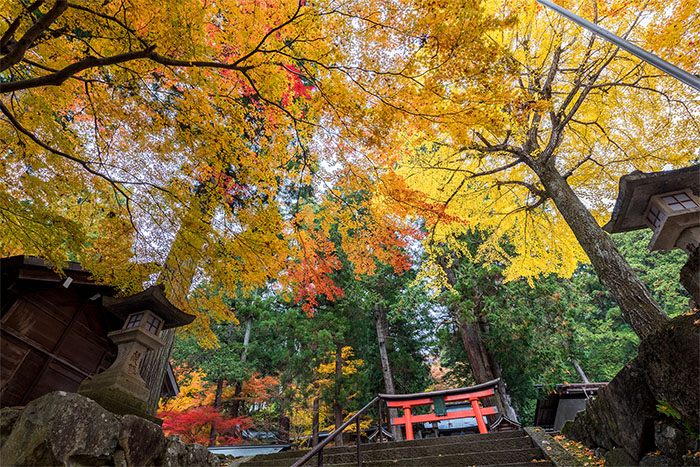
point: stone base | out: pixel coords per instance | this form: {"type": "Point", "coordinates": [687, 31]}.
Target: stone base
{"type": "Point", "coordinates": [119, 393]}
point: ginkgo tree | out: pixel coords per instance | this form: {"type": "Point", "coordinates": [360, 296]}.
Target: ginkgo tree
{"type": "Point", "coordinates": [571, 115]}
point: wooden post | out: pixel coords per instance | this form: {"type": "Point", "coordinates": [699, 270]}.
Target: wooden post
{"type": "Point", "coordinates": [359, 454]}
{"type": "Point", "coordinates": [379, 417]}
{"type": "Point", "coordinates": [477, 413]}
{"type": "Point", "coordinates": [409, 424]}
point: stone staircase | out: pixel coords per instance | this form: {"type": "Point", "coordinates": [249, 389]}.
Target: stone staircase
{"type": "Point", "coordinates": [510, 449]}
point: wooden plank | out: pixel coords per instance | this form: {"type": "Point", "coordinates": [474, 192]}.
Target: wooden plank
{"type": "Point", "coordinates": [468, 413]}
{"type": "Point", "coordinates": [36, 346]}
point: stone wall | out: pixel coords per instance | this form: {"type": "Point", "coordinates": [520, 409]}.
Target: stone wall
{"type": "Point", "coordinates": [67, 429]}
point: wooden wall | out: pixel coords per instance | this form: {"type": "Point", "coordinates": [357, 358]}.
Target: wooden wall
{"type": "Point", "coordinates": [51, 338]}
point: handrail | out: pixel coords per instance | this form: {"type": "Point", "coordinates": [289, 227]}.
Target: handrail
{"type": "Point", "coordinates": [319, 447]}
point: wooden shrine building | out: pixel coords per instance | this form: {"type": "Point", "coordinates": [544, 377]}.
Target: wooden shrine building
{"type": "Point", "coordinates": [53, 330]}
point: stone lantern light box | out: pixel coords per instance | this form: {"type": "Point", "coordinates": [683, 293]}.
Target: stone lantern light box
{"type": "Point", "coordinates": [120, 388]}
{"type": "Point", "coordinates": [667, 202]}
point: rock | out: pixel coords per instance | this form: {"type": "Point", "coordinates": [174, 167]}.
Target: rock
{"type": "Point", "coordinates": [119, 459]}
{"type": "Point", "coordinates": [140, 439]}
{"type": "Point", "coordinates": [177, 454]}
{"type": "Point", "coordinates": [62, 429]}
{"type": "Point", "coordinates": [671, 441]}
{"type": "Point", "coordinates": [690, 275]}
{"type": "Point", "coordinates": [201, 456]}
{"type": "Point", "coordinates": [8, 418]}
{"type": "Point", "coordinates": [654, 460]}
{"type": "Point", "coordinates": [618, 457]}
{"type": "Point", "coordinates": [691, 459]}
{"type": "Point", "coordinates": [671, 360]}
{"type": "Point", "coordinates": [624, 412]}
{"type": "Point", "coordinates": [174, 454]}
{"type": "Point", "coordinates": [622, 415]}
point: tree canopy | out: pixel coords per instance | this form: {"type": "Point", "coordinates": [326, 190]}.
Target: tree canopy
{"type": "Point", "coordinates": [183, 142]}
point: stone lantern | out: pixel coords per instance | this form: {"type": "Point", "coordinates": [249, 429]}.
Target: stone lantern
{"type": "Point", "coordinates": [668, 203]}
{"type": "Point", "coordinates": [120, 389]}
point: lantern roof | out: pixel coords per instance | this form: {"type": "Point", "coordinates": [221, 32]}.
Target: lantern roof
{"type": "Point", "coordinates": [637, 188]}
{"type": "Point", "coordinates": [153, 299]}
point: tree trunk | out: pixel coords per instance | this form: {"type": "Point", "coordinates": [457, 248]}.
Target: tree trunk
{"type": "Point", "coordinates": [177, 275]}
{"type": "Point", "coordinates": [315, 417]}
{"type": "Point", "coordinates": [337, 407]}
{"type": "Point", "coordinates": [237, 403]}
{"type": "Point", "coordinates": [483, 365]}
{"type": "Point", "coordinates": [284, 422]}
{"type": "Point", "coordinates": [380, 323]}
{"type": "Point", "coordinates": [580, 371]}
{"type": "Point", "coordinates": [636, 303]}
{"type": "Point", "coordinates": [217, 405]}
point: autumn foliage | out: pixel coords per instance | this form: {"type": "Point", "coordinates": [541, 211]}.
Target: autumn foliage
{"type": "Point", "coordinates": [192, 413]}
{"type": "Point", "coordinates": [193, 425]}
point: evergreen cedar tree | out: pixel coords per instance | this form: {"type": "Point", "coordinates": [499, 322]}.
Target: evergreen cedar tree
{"type": "Point", "coordinates": [190, 134]}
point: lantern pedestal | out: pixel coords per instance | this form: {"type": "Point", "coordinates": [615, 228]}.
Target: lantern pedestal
{"type": "Point", "coordinates": [120, 389]}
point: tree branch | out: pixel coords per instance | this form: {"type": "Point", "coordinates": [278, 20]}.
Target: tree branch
{"type": "Point", "coordinates": [18, 50]}
{"type": "Point", "coordinates": [57, 78]}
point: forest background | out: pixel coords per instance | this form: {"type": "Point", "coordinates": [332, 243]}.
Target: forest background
{"type": "Point", "coordinates": [348, 194]}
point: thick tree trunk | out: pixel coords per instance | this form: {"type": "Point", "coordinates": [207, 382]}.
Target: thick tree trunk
{"type": "Point", "coordinates": [380, 323]}
{"type": "Point", "coordinates": [337, 406]}
{"type": "Point", "coordinates": [236, 400]}
{"type": "Point", "coordinates": [217, 405]}
{"type": "Point", "coordinates": [484, 366]}
{"type": "Point", "coordinates": [636, 303]}
{"type": "Point", "coordinates": [482, 362]}
{"type": "Point", "coordinates": [177, 275]}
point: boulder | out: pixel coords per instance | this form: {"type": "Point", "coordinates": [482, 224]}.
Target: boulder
{"type": "Point", "coordinates": [140, 439]}
{"type": "Point", "coordinates": [673, 442]}
{"type": "Point", "coordinates": [621, 416]}
{"type": "Point", "coordinates": [8, 418]}
{"type": "Point", "coordinates": [177, 454]}
{"type": "Point", "coordinates": [618, 457]}
{"type": "Point", "coordinates": [691, 459]}
{"type": "Point", "coordinates": [653, 460]}
{"type": "Point", "coordinates": [624, 413]}
{"type": "Point", "coordinates": [61, 428]}
{"type": "Point", "coordinates": [671, 360]}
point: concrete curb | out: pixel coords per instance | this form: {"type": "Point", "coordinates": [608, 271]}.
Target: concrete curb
{"type": "Point", "coordinates": [551, 448]}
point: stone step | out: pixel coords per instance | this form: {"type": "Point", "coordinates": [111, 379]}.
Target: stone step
{"type": "Point", "coordinates": [432, 462]}
{"type": "Point", "coordinates": [465, 440]}
{"type": "Point", "coordinates": [416, 456]}
{"type": "Point", "coordinates": [403, 451]}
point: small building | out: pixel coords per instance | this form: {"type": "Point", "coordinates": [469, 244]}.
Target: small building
{"type": "Point", "coordinates": [562, 404]}
{"type": "Point", "coordinates": [53, 330]}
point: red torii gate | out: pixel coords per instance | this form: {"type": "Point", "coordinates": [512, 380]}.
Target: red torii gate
{"type": "Point", "coordinates": [438, 400]}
